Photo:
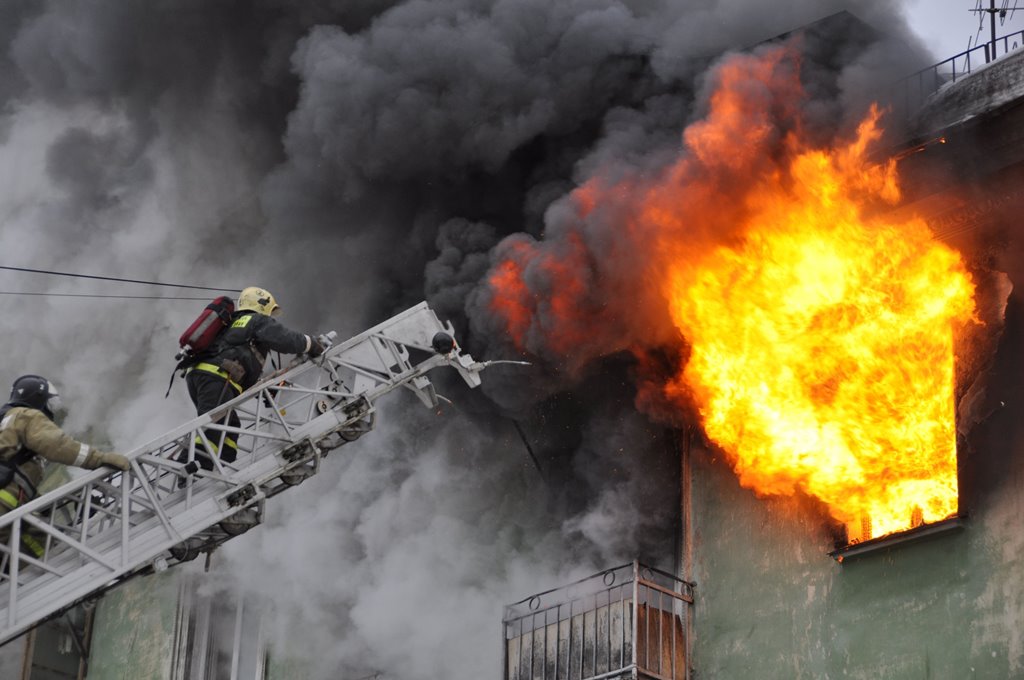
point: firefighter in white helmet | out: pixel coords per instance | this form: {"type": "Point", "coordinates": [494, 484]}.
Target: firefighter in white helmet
{"type": "Point", "coordinates": [234, 363]}
{"type": "Point", "coordinates": [28, 433]}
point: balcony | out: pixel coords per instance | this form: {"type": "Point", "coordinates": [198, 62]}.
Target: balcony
{"type": "Point", "coordinates": [591, 630]}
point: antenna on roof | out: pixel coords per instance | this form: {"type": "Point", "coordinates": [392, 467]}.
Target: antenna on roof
{"type": "Point", "coordinates": [992, 11]}
{"type": "Point", "coordinates": [1002, 17]}
{"type": "Point", "coordinates": [981, 24]}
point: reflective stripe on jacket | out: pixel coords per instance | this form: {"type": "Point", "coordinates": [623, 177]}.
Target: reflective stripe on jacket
{"type": "Point", "coordinates": [250, 338]}
{"type": "Point", "coordinates": [29, 428]}
{"type": "Point", "coordinates": [217, 370]}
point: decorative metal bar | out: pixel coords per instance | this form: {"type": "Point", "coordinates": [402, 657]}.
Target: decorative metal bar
{"type": "Point", "coordinates": [674, 657]}
{"type": "Point", "coordinates": [568, 654]}
{"type": "Point", "coordinates": [661, 589]}
{"type": "Point", "coordinates": [622, 614]}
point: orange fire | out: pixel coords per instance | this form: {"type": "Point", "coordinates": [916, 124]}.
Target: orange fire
{"type": "Point", "coordinates": [822, 345]}
{"type": "Point", "coordinates": [820, 332]}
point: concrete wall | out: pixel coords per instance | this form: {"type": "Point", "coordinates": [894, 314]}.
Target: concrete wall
{"type": "Point", "coordinates": [771, 604]}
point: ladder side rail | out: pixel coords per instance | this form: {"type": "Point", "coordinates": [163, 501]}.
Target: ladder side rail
{"type": "Point", "coordinates": [87, 487]}
{"type": "Point", "coordinates": [154, 508]}
{"type": "Point", "coordinates": [113, 573]}
{"type": "Point", "coordinates": [84, 581]}
{"type": "Point", "coordinates": [81, 494]}
{"type": "Point", "coordinates": [203, 422]}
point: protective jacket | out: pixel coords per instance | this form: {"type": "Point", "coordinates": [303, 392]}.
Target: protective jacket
{"type": "Point", "coordinates": [241, 349]}
{"type": "Point", "coordinates": [27, 434]}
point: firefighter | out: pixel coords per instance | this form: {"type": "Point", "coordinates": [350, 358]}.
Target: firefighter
{"type": "Point", "coordinates": [235, 361]}
{"type": "Point", "coordinates": [27, 433]}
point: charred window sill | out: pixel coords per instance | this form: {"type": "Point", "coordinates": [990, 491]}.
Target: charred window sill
{"type": "Point", "coordinates": [898, 539]}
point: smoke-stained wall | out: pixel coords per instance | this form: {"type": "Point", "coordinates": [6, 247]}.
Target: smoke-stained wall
{"type": "Point", "coordinates": [355, 158]}
{"type": "Point", "coordinates": [136, 635]}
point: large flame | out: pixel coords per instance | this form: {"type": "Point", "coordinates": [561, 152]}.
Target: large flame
{"type": "Point", "coordinates": [822, 346]}
{"type": "Point", "coordinates": [820, 331]}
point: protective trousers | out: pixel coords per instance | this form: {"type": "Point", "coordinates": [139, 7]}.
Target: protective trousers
{"type": "Point", "coordinates": [209, 390]}
{"type": "Point", "coordinates": [32, 540]}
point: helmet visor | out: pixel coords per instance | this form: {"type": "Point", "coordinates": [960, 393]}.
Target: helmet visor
{"type": "Point", "coordinates": [55, 405]}
{"type": "Point", "coordinates": [53, 401]}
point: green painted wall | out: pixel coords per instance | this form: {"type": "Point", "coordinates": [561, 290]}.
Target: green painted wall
{"type": "Point", "coordinates": [772, 605]}
{"type": "Point", "coordinates": [134, 630]}
{"type": "Point", "coordinates": [282, 668]}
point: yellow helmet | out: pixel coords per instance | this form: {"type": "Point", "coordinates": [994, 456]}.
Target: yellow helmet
{"type": "Point", "coordinates": [258, 300]}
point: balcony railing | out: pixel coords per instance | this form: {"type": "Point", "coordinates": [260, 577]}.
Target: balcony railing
{"type": "Point", "coordinates": [910, 93]}
{"type": "Point", "coordinates": [628, 621]}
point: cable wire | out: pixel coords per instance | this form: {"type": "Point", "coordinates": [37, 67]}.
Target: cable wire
{"type": "Point", "coordinates": [121, 297]}
{"type": "Point", "coordinates": [114, 278]}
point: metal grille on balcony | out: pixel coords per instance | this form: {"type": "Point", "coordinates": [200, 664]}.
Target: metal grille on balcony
{"type": "Point", "coordinates": [591, 630]}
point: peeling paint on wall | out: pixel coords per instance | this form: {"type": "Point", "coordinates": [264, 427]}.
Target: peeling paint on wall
{"type": "Point", "coordinates": [134, 630]}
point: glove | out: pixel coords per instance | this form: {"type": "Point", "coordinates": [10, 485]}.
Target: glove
{"type": "Point", "coordinates": [114, 460]}
{"type": "Point", "coordinates": [316, 348]}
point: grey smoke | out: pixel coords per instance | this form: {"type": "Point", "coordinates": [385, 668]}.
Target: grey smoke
{"type": "Point", "coordinates": [422, 530]}
{"type": "Point", "coordinates": [98, 172]}
{"type": "Point", "coordinates": [462, 261]}
{"type": "Point", "coordinates": [356, 158]}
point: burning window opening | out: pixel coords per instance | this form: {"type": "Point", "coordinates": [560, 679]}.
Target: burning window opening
{"type": "Point", "coordinates": [822, 344]}
{"type": "Point", "coordinates": [861, 536]}
{"type": "Point", "coordinates": [591, 629]}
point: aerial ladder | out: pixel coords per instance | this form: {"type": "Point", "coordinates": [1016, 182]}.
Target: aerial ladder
{"type": "Point", "coordinates": [106, 526]}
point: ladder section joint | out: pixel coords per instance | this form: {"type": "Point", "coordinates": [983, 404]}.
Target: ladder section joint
{"type": "Point", "coordinates": [303, 450]}
{"type": "Point", "coordinates": [243, 495]}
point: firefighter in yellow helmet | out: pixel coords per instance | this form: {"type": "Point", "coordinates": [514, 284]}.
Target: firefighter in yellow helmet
{"type": "Point", "coordinates": [27, 434]}
{"type": "Point", "coordinates": [234, 363]}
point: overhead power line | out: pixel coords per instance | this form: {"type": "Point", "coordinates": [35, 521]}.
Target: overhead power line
{"type": "Point", "coordinates": [121, 297]}
{"type": "Point", "coordinates": [120, 280]}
